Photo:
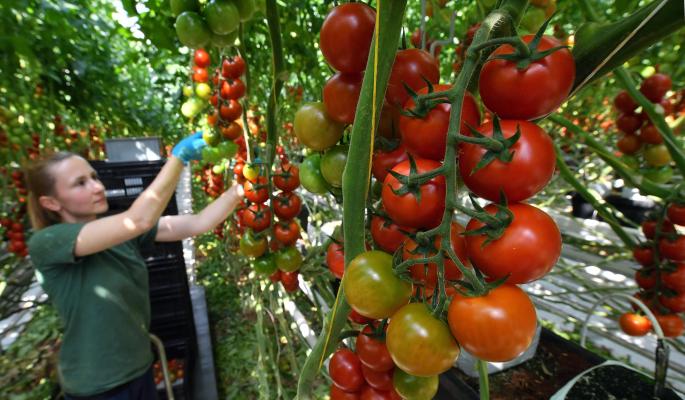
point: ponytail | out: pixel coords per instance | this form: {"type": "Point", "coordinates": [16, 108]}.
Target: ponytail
{"type": "Point", "coordinates": [41, 182]}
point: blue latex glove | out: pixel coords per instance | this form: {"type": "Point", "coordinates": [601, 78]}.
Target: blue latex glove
{"type": "Point", "coordinates": [189, 148]}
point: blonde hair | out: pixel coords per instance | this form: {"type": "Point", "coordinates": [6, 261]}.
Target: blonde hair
{"type": "Point", "coordinates": [40, 181]}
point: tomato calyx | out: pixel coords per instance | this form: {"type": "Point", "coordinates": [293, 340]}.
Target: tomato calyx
{"type": "Point", "coordinates": [494, 225]}
{"type": "Point", "coordinates": [412, 183]}
{"type": "Point", "coordinates": [423, 104]}
{"type": "Point", "coordinates": [498, 147]}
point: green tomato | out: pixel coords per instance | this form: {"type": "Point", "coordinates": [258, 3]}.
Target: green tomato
{"type": "Point", "coordinates": [288, 259]}
{"type": "Point", "coordinates": [222, 41]}
{"type": "Point", "coordinates": [251, 245]}
{"type": "Point", "coordinates": [411, 387]}
{"type": "Point", "coordinates": [245, 8]}
{"type": "Point", "coordinates": [371, 287]}
{"type": "Point", "coordinates": [310, 175]}
{"type": "Point", "coordinates": [192, 30]}
{"type": "Point", "coordinates": [211, 155]}
{"type": "Point", "coordinates": [187, 91]}
{"type": "Point", "coordinates": [631, 161]}
{"type": "Point", "coordinates": [179, 6]}
{"type": "Point", "coordinates": [315, 129]}
{"type": "Point", "coordinates": [222, 16]}
{"type": "Point", "coordinates": [211, 137]}
{"type": "Point", "coordinates": [251, 172]}
{"type": "Point", "coordinates": [264, 265]}
{"type": "Point", "coordinates": [219, 168]}
{"type": "Point", "coordinates": [203, 91]}
{"type": "Point", "coordinates": [333, 164]}
{"type": "Point", "coordinates": [657, 156]}
{"type": "Point", "coordinates": [188, 109]}
{"type": "Point", "coordinates": [533, 19]}
{"type": "Point", "coordinates": [659, 175]}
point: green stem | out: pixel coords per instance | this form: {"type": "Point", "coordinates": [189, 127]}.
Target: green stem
{"type": "Point", "coordinates": [484, 384]}
{"type": "Point", "coordinates": [589, 11]}
{"type": "Point", "coordinates": [674, 148]}
{"type": "Point", "coordinates": [513, 41]}
{"type": "Point", "coordinates": [485, 142]}
{"type": "Point", "coordinates": [596, 204]}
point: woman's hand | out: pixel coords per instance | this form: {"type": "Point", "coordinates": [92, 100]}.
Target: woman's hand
{"type": "Point", "coordinates": [189, 148]}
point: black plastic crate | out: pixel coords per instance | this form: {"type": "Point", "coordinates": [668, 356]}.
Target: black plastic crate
{"type": "Point", "coordinates": [163, 251]}
{"type": "Point", "coordinates": [165, 273]}
{"type": "Point", "coordinates": [170, 306]}
{"type": "Point", "coordinates": [174, 329]}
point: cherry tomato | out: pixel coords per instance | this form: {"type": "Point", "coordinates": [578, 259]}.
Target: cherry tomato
{"type": "Point", "coordinates": [290, 280]}
{"type": "Point", "coordinates": [629, 144]}
{"type": "Point", "coordinates": [340, 96]}
{"type": "Point", "coordinates": [676, 214]}
{"type": "Point", "coordinates": [257, 217]}
{"type": "Point", "coordinates": [407, 209]}
{"type": "Point", "coordinates": [671, 324]}
{"type": "Point", "coordinates": [339, 394]}
{"type": "Point", "coordinates": [675, 303]}
{"type": "Point", "coordinates": [655, 87]}
{"type": "Point", "coordinates": [358, 318]}
{"type": "Point", "coordinates": [673, 249]}
{"type": "Point", "coordinates": [527, 250]}
{"type": "Point", "coordinates": [376, 379]}
{"type": "Point", "coordinates": [644, 255]}
{"type": "Point", "coordinates": [529, 171]}
{"type": "Point", "coordinates": [649, 134]}
{"type": "Point", "coordinates": [415, 387]}
{"type": "Point", "coordinates": [675, 279]}
{"type": "Point", "coordinates": [649, 228]}
{"type": "Point", "coordinates": [624, 102]}
{"type": "Point", "coordinates": [251, 172]}
{"type": "Point", "coordinates": [315, 129]}
{"type": "Point", "coordinates": [419, 343]}
{"type": "Point", "coordinates": [231, 131]}
{"type": "Point", "coordinates": [387, 235]}
{"type": "Point", "coordinates": [233, 89]}
{"type": "Point", "coordinates": [287, 232]}
{"type": "Point", "coordinates": [201, 58]}
{"type": "Point", "coordinates": [497, 327]}
{"type": "Point", "coordinates": [233, 67]}
{"type": "Point", "coordinates": [657, 156]}
{"type": "Point", "coordinates": [546, 82]}
{"type": "Point", "coordinates": [384, 161]}
{"type": "Point", "coordinates": [287, 177]}
{"type": "Point", "coordinates": [346, 370]}
{"type": "Point", "coordinates": [634, 324]}
{"type": "Point", "coordinates": [645, 278]}
{"type": "Point", "coordinates": [345, 36]}
{"type": "Point", "coordinates": [256, 192]}
{"type": "Point", "coordinates": [371, 287]}
{"type": "Point", "coordinates": [411, 67]}
{"type": "Point", "coordinates": [231, 110]}
{"type": "Point", "coordinates": [427, 137]}
{"type": "Point", "coordinates": [369, 393]}
{"type": "Point", "coordinates": [373, 352]}
{"type": "Point", "coordinates": [288, 259]}
{"type": "Point", "coordinates": [252, 246]}
{"type": "Point", "coordinates": [264, 265]}
{"type": "Point", "coordinates": [287, 205]}
{"type": "Point", "coordinates": [628, 123]}
{"type": "Point", "coordinates": [310, 175]}
{"type": "Point", "coordinates": [335, 259]}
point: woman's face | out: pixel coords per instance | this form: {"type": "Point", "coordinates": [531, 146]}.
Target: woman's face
{"type": "Point", "coordinates": [79, 194]}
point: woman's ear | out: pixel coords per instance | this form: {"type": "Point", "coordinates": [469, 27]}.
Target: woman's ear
{"type": "Point", "coordinates": [50, 203]}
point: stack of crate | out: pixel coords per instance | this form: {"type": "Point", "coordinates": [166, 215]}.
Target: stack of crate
{"type": "Point", "coordinates": [171, 308]}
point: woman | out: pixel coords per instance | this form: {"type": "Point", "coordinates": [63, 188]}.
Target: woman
{"type": "Point", "coordinates": [92, 270]}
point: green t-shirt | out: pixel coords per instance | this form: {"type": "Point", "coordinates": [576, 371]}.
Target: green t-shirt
{"type": "Point", "coordinates": [103, 301]}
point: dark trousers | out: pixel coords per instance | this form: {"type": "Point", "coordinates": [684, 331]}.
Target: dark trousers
{"type": "Point", "coordinates": [141, 388]}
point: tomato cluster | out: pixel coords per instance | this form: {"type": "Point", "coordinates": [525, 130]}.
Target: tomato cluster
{"type": "Point", "coordinates": [175, 368]}
{"type": "Point", "coordinates": [199, 24]}
{"type": "Point", "coordinates": [661, 278]}
{"type": "Point", "coordinates": [640, 141]}
{"type": "Point", "coordinates": [14, 233]}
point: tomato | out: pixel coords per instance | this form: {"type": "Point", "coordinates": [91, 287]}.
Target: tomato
{"type": "Point", "coordinates": [310, 175]}
{"type": "Point", "coordinates": [276, 276]}
{"type": "Point", "coordinates": [201, 58]}
{"type": "Point", "coordinates": [415, 387]}
{"type": "Point", "coordinates": [655, 87]}
{"type": "Point", "coordinates": [387, 235]}
{"type": "Point", "coordinates": [527, 250]}
{"type": "Point", "coordinates": [200, 74]}
{"type": "Point", "coordinates": [658, 175]}
{"type": "Point", "coordinates": [673, 249]}
{"type": "Point", "coordinates": [383, 161]}
{"type": "Point", "coordinates": [258, 217]}
{"type": "Point", "coordinates": [407, 209]}
{"type": "Point", "coordinates": [427, 137]}
{"type": "Point", "coordinates": [629, 144]}
{"type": "Point", "coordinates": [675, 279]}
{"type": "Point", "coordinates": [649, 228]}
{"type": "Point", "coordinates": [230, 110]}
{"type": "Point", "coordinates": [340, 96]}
{"type": "Point", "coordinates": [256, 192]}
{"type": "Point", "coordinates": [675, 303]}
{"type": "Point", "coordinates": [529, 171]}
{"type": "Point", "coordinates": [624, 102]}
{"type": "Point", "coordinates": [246, 8]}
{"type": "Point", "coordinates": [657, 156]}
{"type": "Point", "coordinates": [287, 205]}
{"type": "Point", "coordinates": [333, 164]}
{"type": "Point", "coordinates": [233, 67]}
{"type": "Point", "coordinates": [287, 177]}
{"type": "Point", "coordinates": [388, 126]}
{"type": "Point", "coordinates": [676, 214]}
{"type": "Point", "coordinates": [373, 352]}
{"type": "Point", "coordinates": [634, 324]}
{"type": "Point", "coordinates": [346, 370]}
{"type": "Point", "coordinates": [315, 129]}
{"type": "Point", "coordinates": [251, 245]}
{"type": "Point", "coordinates": [546, 82]}
{"type": "Point", "coordinates": [649, 134]}
{"type": "Point", "coordinates": [288, 259]}
{"type": "Point", "coordinates": [379, 380]}
{"type": "Point", "coordinates": [496, 327]}
{"type": "Point", "coordinates": [418, 272]}
{"type": "Point", "coordinates": [264, 265]}
{"type": "Point", "coordinates": [411, 67]}
{"type": "Point", "coordinates": [671, 324]}
{"type": "Point", "coordinates": [231, 131]}
{"type": "Point", "coordinates": [251, 172]}
{"type": "Point", "coordinates": [628, 123]}
{"type": "Point", "coordinates": [644, 255]}
{"type": "Point", "coordinates": [358, 318]}
{"type": "Point", "coordinates": [233, 89]}
{"type": "Point", "coordinates": [335, 259]}
{"type": "Point", "coordinates": [287, 232]}
{"type": "Point", "coordinates": [339, 394]}
{"type": "Point", "coordinates": [290, 280]}
{"type": "Point", "coordinates": [369, 393]}
{"type": "Point", "coordinates": [645, 278]}
{"type": "Point", "coordinates": [371, 287]}
{"type": "Point", "coordinates": [419, 343]}
{"type": "Point", "coordinates": [345, 36]}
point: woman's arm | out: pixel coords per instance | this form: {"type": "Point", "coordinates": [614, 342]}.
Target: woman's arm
{"type": "Point", "coordinates": [104, 233]}
{"type": "Point", "coordinates": [178, 227]}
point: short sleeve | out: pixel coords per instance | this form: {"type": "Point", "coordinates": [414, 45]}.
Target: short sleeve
{"type": "Point", "coordinates": [148, 238]}
{"type": "Point", "coordinates": [54, 245]}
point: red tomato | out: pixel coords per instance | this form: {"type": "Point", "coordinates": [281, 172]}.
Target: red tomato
{"type": "Point", "coordinates": [407, 210]}
{"type": "Point", "coordinates": [628, 123]}
{"type": "Point", "coordinates": [673, 249]}
{"type": "Point", "coordinates": [287, 177]}
{"type": "Point", "coordinates": [675, 279]}
{"type": "Point", "coordinates": [634, 324]}
{"type": "Point", "coordinates": [201, 58]}
{"type": "Point", "coordinates": [256, 192]}
{"type": "Point", "coordinates": [290, 280]}
{"type": "Point", "coordinates": [346, 370]}
{"type": "Point", "coordinates": [377, 380]}
{"type": "Point", "coordinates": [339, 394]}
{"type": "Point", "coordinates": [387, 235]}
{"type": "Point", "coordinates": [427, 137]}
{"type": "Point", "coordinates": [624, 103]}
{"type": "Point", "coordinates": [645, 279]}
{"type": "Point", "coordinates": [231, 131]}
{"type": "Point", "coordinates": [676, 214]}
{"type": "Point", "coordinates": [233, 90]}
{"type": "Point", "coordinates": [674, 303]}
{"type": "Point", "coordinates": [345, 36]}
{"type": "Point", "coordinates": [529, 171]}
{"type": "Point", "coordinates": [340, 96]}
{"type": "Point", "coordinates": [411, 67]}
{"type": "Point", "coordinates": [335, 259]}
{"type": "Point", "coordinates": [497, 327]}
{"type": "Point", "coordinates": [230, 110]}
{"type": "Point", "coordinates": [649, 134]}
{"type": "Point", "coordinates": [649, 228]}
{"type": "Point", "coordinates": [287, 205]}
{"type": "Point", "coordinates": [358, 318]}
{"type": "Point", "coordinates": [655, 87]}
{"type": "Point", "coordinates": [418, 272]}
{"type": "Point", "coordinates": [200, 74]}
{"type": "Point", "coordinates": [527, 250]}
{"type": "Point", "coordinates": [233, 67]}
{"type": "Point", "coordinates": [671, 324]}
{"type": "Point", "coordinates": [369, 393]}
{"type": "Point", "coordinates": [629, 144]}
{"type": "Point", "coordinates": [644, 255]}
{"type": "Point", "coordinates": [287, 233]}
{"type": "Point", "coordinates": [373, 352]}
{"type": "Point", "coordinates": [257, 217]}
{"type": "Point", "coordinates": [545, 82]}
{"type": "Point", "coordinates": [276, 276]}
{"type": "Point", "coordinates": [383, 161]}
